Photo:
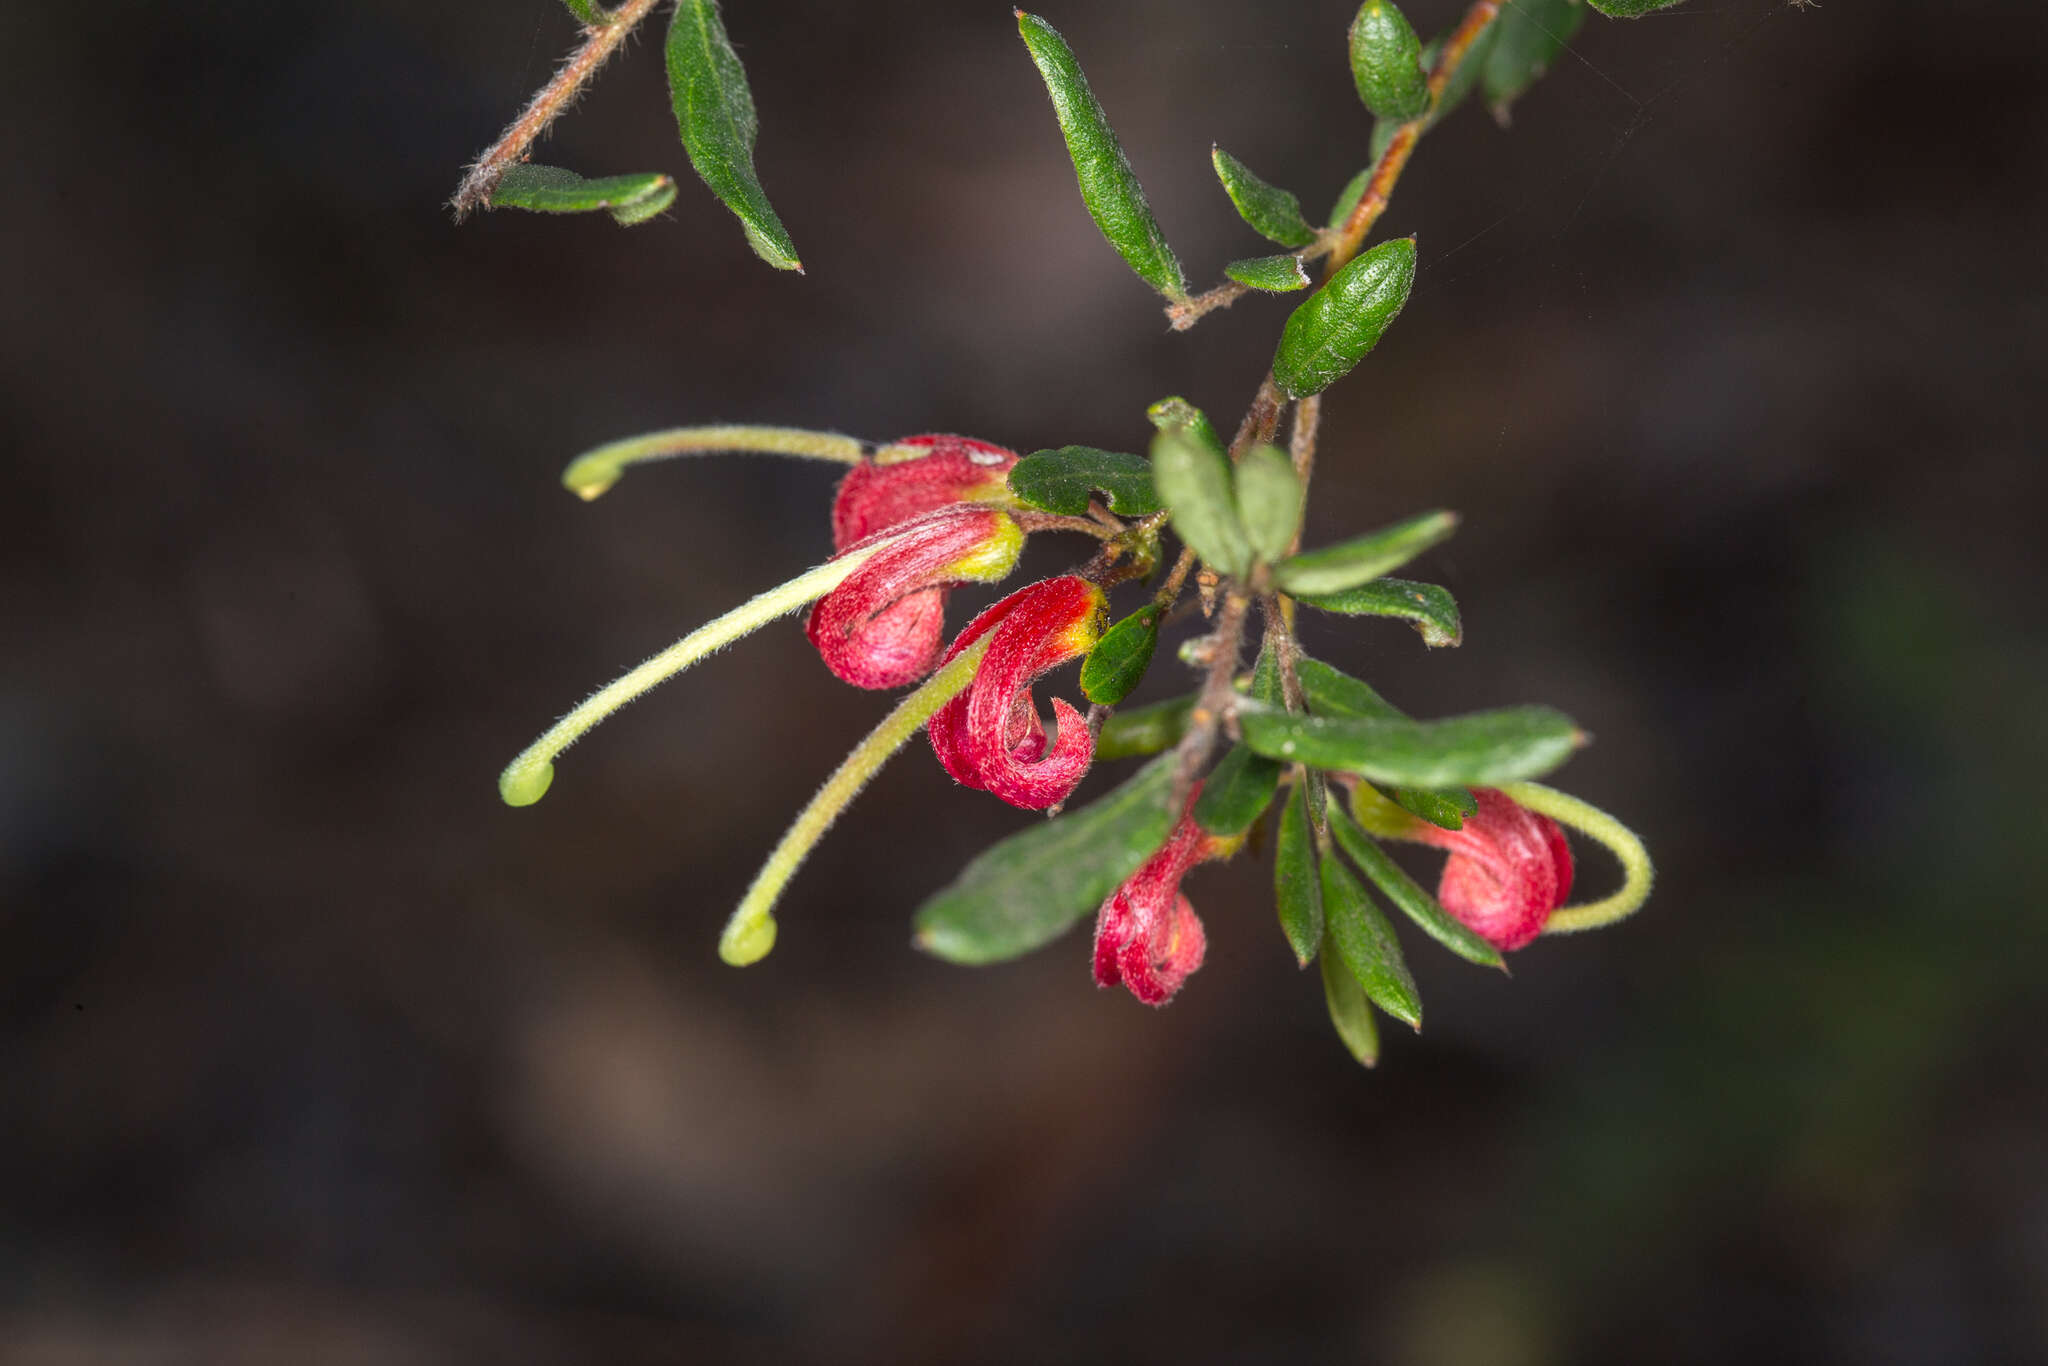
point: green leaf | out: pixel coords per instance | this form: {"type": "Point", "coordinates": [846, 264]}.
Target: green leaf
{"type": "Point", "coordinates": [1063, 480]}
{"type": "Point", "coordinates": [1274, 274]}
{"type": "Point", "coordinates": [1530, 35]}
{"type": "Point", "coordinates": [1354, 188]}
{"type": "Point", "coordinates": [715, 114]}
{"type": "Point", "coordinates": [1109, 187]}
{"type": "Point", "coordinates": [1367, 944]}
{"type": "Point", "coordinates": [1346, 565]}
{"type": "Point", "coordinates": [1350, 1011]}
{"type": "Point", "coordinates": [1144, 730]}
{"type": "Point", "coordinates": [1418, 905]}
{"type": "Point", "coordinates": [1465, 77]}
{"type": "Point", "coordinates": [629, 199]}
{"type": "Point", "coordinates": [1171, 414]}
{"type": "Point", "coordinates": [1193, 479]}
{"type": "Point", "coordinates": [1030, 888]}
{"type": "Point", "coordinates": [1630, 9]}
{"type": "Point", "coordinates": [590, 14]}
{"type": "Point", "coordinates": [1272, 212]}
{"type": "Point", "coordinates": [1334, 327]}
{"type": "Point", "coordinates": [1385, 63]}
{"type": "Point", "coordinates": [1269, 497]}
{"type": "Point", "coordinates": [1433, 610]}
{"type": "Point", "coordinates": [1445, 808]}
{"type": "Point", "coordinates": [1297, 887]}
{"type": "Point", "coordinates": [1120, 658]}
{"type": "Point", "coordinates": [1482, 749]}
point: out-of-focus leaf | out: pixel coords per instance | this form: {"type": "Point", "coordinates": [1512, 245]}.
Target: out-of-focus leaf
{"type": "Point", "coordinates": [1109, 187]}
{"type": "Point", "coordinates": [629, 199]}
{"type": "Point", "coordinates": [1630, 9]}
{"type": "Point", "coordinates": [1144, 730]}
{"type": "Point", "coordinates": [1119, 660]}
{"type": "Point", "coordinates": [1385, 65]}
{"type": "Point", "coordinates": [1530, 35]}
{"type": "Point", "coordinates": [1027, 890]}
{"type": "Point", "coordinates": [1334, 327]}
{"type": "Point", "coordinates": [1063, 480]}
{"type": "Point", "coordinates": [1193, 479]}
{"type": "Point", "coordinates": [1337, 568]}
{"type": "Point", "coordinates": [590, 14]}
{"type": "Point", "coordinates": [1445, 808]}
{"type": "Point", "coordinates": [1418, 905]}
{"type": "Point", "coordinates": [1465, 78]}
{"type": "Point", "coordinates": [715, 115]}
{"type": "Point", "coordinates": [1332, 692]}
{"type": "Point", "coordinates": [1432, 609]}
{"type": "Point", "coordinates": [1482, 749]}
{"type": "Point", "coordinates": [1366, 941]}
{"type": "Point", "coordinates": [1274, 274]}
{"type": "Point", "coordinates": [1297, 886]}
{"type": "Point", "coordinates": [1350, 1011]}
{"type": "Point", "coordinates": [1177, 413]}
{"type": "Point", "coordinates": [1269, 497]}
{"type": "Point", "coordinates": [1272, 213]}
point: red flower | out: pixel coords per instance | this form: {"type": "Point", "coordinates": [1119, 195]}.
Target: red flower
{"type": "Point", "coordinates": [1147, 935]}
{"type": "Point", "coordinates": [1509, 869]}
{"type": "Point", "coordinates": [881, 628]}
{"type": "Point", "coordinates": [914, 476]}
{"type": "Point", "coordinates": [990, 736]}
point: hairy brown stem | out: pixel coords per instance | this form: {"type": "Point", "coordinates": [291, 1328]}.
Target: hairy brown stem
{"type": "Point", "coordinates": [1214, 706]}
{"type": "Point", "coordinates": [556, 96]}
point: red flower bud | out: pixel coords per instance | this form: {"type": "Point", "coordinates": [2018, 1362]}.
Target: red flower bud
{"type": "Point", "coordinates": [913, 476]}
{"type": "Point", "coordinates": [1147, 935]}
{"type": "Point", "coordinates": [1509, 869]}
{"type": "Point", "coordinates": [882, 627]}
{"type": "Point", "coordinates": [990, 736]}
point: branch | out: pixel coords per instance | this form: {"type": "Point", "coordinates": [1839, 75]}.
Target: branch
{"type": "Point", "coordinates": [554, 97]}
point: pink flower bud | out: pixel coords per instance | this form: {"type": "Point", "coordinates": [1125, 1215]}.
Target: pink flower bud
{"type": "Point", "coordinates": [990, 736]}
{"type": "Point", "coordinates": [1147, 935]}
{"type": "Point", "coordinates": [916, 475]}
{"type": "Point", "coordinates": [882, 627]}
{"type": "Point", "coordinates": [1509, 869]}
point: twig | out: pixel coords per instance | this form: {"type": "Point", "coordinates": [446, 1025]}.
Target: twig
{"type": "Point", "coordinates": [557, 95]}
{"type": "Point", "coordinates": [1214, 706]}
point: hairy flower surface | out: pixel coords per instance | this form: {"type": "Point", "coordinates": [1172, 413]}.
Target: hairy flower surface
{"type": "Point", "coordinates": [1509, 869]}
{"type": "Point", "coordinates": [914, 476]}
{"type": "Point", "coordinates": [882, 628]}
{"type": "Point", "coordinates": [990, 736]}
{"type": "Point", "coordinates": [1147, 935]}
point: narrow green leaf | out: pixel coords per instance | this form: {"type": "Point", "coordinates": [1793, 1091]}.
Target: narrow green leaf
{"type": "Point", "coordinates": [1237, 792]}
{"type": "Point", "coordinates": [1274, 274]}
{"type": "Point", "coordinates": [1175, 413]}
{"type": "Point", "coordinates": [1272, 213]}
{"type": "Point", "coordinates": [1334, 327]}
{"type": "Point", "coordinates": [629, 199]}
{"type": "Point", "coordinates": [715, 115]}
{"type": "Point", "coordinates": [1350, 1011]}
{"type": "Point", "coordinates": [1297, 887]}
{"type": "Point", "coordinates": [1385, 63]}
{"type": "Point", "coordinates": [1109, 187]}
{"type": "Point", "coordinates": [1346, 565]}
{"type": "Point", "coordinates": [1445, 808]}
{"type": "Point", "coordinates": [1432, 609]}
{"type": "Point", "coordinates": [1063, 480]}
{"type": "Point", "coordinates": [590, 14]}
{"type": "Point", "coordinates": [1194, 482]}
{"type": "Point", "coordinates": [1119, 660]}
{"type": "Point", "coordinates": [1144, 730]}
{"type": "Point", "coordinates": [1413, 902]}
{"type": "Point", "coordinates": [1482, 749]}
{"type": "Point", "coordinates": [1630, 9]}
{"type": "Point", "coordinates": [1530, 35]}
{"type": "Point", "coordinates": [1366, 941]}
{"type": "Point", "coordinates": [1030, 888]}
{"type": "Point", "coordinates": [1269, 498]}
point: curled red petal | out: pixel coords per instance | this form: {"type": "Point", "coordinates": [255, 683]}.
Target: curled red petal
{"type": "Point", "coordinates": [1147, 935]}
{"type": "Point", "coordinates": [882, 627]}
{"type": "Point", "coordinates": [1509, 870]}
{"type": "Point", "coordinates": [875, 496]}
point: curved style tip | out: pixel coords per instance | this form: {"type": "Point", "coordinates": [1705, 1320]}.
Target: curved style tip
{"type": "Point", "coordinates": [747, 942]}
{"type": "Point", "coordinates": [590, 476]}
{"type": "Point", "coordinates": [523, 784]}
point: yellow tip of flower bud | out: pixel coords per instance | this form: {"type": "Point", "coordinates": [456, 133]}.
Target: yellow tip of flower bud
{"type": "Point", "coordinates": [524, 782]}
{"type": "Point", "coordinates": [746, 942]}
{"type": "Point", "coordinates": [590, 476]}
{"type": "Point", "coordinates": [993, 559]}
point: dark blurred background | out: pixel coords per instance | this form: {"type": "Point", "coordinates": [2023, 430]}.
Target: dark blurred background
{"type": "Point", "coordinates": [1730, 350]}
